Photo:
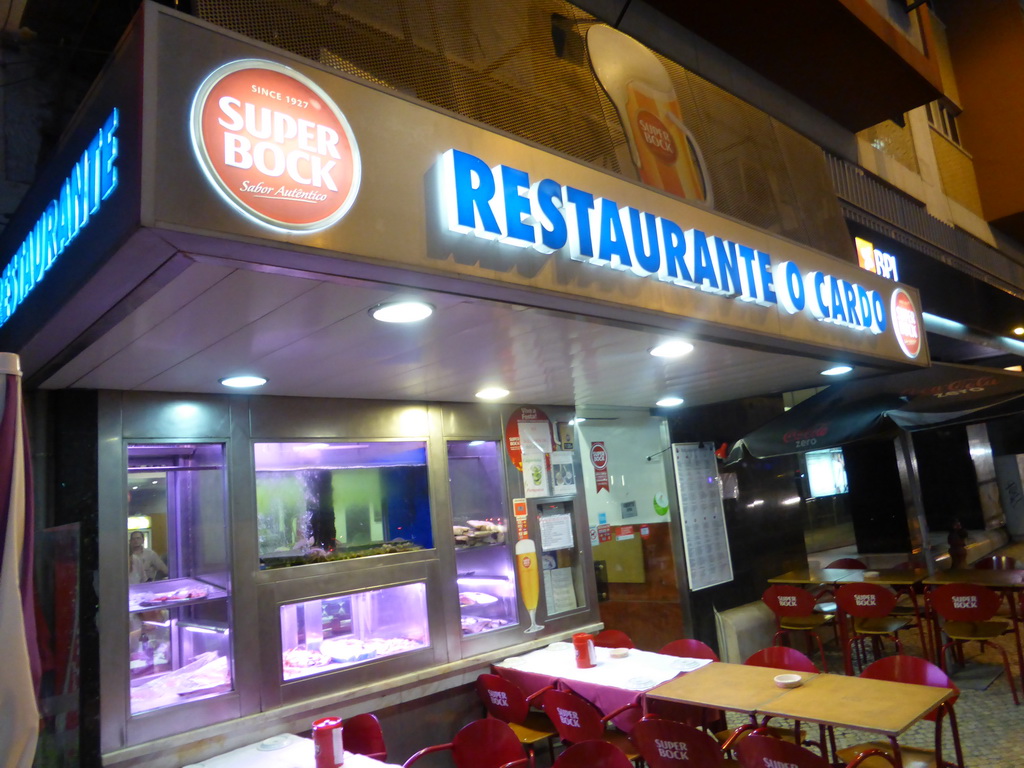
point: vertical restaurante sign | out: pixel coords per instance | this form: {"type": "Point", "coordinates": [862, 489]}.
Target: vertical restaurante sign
{"type": "Point", "coordinates": [91, 181]}
{"type": "Point", "coordinates": [275, 146]}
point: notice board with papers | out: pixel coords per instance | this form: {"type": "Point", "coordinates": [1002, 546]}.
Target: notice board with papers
{"type": "Point", "coordinates": [702, 515]}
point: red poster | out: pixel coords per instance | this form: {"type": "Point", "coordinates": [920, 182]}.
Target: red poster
{"type": "Point", "coordinates": [519, 508]}
{"type": "Point", "coordinates": [604, 533]}
{"type": "Point", "coordinates": [512, 442]}
{"type": "Point", "coordinates": [599, 458]}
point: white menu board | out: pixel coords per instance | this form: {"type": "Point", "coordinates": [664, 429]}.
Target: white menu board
{"type": "Point", "coordinates": [702, 513]}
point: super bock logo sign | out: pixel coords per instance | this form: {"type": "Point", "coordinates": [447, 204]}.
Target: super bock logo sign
{"type": "Point", "coordinates": [275, 146]}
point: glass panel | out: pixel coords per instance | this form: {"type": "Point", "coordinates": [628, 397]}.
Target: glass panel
{"type": "Point", "coordinates": [487, 587]}
{"type": "Point", "coordinates": [332, 633]}
{"type": "Point", "coordinates": [332, 501]}
{"type": "Point", "coordinates": [178, 597]}
{"type": "Point", "coordinates": [560, 562]}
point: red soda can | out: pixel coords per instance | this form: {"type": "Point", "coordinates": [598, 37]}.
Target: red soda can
{"type": "Point", "coordinates": [327, 742]}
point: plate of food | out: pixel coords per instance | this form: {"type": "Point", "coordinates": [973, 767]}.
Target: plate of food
{"type": "Point", "coordinates": [467, 599]}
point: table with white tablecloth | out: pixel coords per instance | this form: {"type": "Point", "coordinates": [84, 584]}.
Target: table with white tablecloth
{"type": "Point", "coordinates": [610, 684]}
{"type": "Point", "coordinates": [284, 751]}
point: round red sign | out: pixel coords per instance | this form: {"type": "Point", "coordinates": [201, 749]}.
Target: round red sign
{"type": "Point", "coordinates": [598, 456]}
{"type": "Point", "coordinates": [904, 322]}
{"type": "Point", "coordinates": [275, 146]}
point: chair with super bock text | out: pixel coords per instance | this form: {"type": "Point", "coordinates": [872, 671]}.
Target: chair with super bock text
{"type": "Point", "coordinates": [967, 612]}
{"type": "Point", "coordinates": [870, 609]}
{"type": "Point", "coordinates": [759, 750]}
{"type": "Point", "coordinates": [671, 744]}
{"type": "Point", "coordinates": [504, 700]}
{"type": "Point", "coordinates": [577, 720]}
{"type": "Point", "coordinates": [794, 609]}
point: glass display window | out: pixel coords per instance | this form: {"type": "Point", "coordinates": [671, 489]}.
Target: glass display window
{"type": "Point", "coordinates": [487, 587]}
{"type": "Point", "coordinates": [330, 633]}
{"type": "Point", "coordinates": [332, 501]}
{"type": "Point", "coordinates": [179, 607]}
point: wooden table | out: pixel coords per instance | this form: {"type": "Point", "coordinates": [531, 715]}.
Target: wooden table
{"type": "Point", "coordinates": [842, 701]}
{"type": "Point", "coordinates": [720, 685]}
{"type": "Point", "coordinates": [813, 576]}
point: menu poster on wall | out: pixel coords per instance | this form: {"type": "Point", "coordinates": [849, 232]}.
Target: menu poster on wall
{"type": "Point", "coordinates": [559, 593]}
{"type": "Point", "coordinates": [536, 475]}
{"type": "Point", "coordinates": [556, 532]}
{"type": "Point", "coordinates": [527, 430]}
{"type": "Point", "coordinates": [563, 474]}
{"type": "Point", "coordinates": [705, 539]}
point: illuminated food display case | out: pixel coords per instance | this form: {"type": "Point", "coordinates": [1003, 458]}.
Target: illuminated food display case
{"type": "Point", "coordinates": [291, 551]}
{"type": "Point", "coordinates": [487, 584]}
{"type": "Point", "coordinates": [179, 590]}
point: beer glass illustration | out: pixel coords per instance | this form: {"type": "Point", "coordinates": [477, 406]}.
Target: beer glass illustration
{"type": "Point", "coordinates": [528, 571]}
{"type": "Point", "coordinates": [660, 145]}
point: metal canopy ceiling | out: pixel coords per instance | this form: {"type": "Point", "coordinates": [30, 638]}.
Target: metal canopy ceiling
{"type": "Point", "coordinates": [315, 338]}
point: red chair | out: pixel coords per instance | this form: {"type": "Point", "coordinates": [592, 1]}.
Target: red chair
{"type": "Point", "coordinates": [592, 754]}
{"type": "Point", "coordinates": [487, 743]}
{"type": "Point", "coordinates": [505, 700]}
{"type": "Point", "coordinates": [794, 610]}
{"type": "Point", "coordinates": [690, 748]}
{"type": "Point", "coordinates": [612, 638]}
{"type": "Point", "coordinates": [782, 657]}
{"type": "Point", "coordinates": [870, 606]}
{"type": "Point", "coordinates": [362, 735]}
{"type": "Point", "coordinates": [759, 750]}
{"type": "Point", "coordinates": [689, 648]}
{"type": "Point", "coordinates": [967, 611]}
{"type": "Point", "coordinates": [577, 720]}
{"type": "Point", "coordinates": [911, 669]}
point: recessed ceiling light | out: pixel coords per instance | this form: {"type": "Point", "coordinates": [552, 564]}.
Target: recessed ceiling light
{"type": "Point", "coordinates": [402, 311]}
{"type": "Point", "coordinates": [492, 393]}
{"type": "Point", "coordinates": [838, 370]}
{"type": "Point", "coordinates": [1019, 330]}
{"type": "Point", "coordinates": [242, 382]}
{"type": "Point", "coordinates": [577, 420]}
{"type": "Point", "coordinates": [670, 402]}
{"type": "Point", "coordinates": [674, 348]}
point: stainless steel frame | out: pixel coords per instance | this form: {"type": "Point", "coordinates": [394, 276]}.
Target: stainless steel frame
{"type": "Point", "coordinates": [237, 422]}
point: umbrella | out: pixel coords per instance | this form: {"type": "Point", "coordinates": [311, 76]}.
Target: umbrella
{"type": "Point", "coordinates": [19, 725]}
{"type": "Point", "coordinates": [929, 397]}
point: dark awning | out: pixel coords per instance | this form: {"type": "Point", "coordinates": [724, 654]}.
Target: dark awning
{"type": "Point", "coordinates": [842, 413]}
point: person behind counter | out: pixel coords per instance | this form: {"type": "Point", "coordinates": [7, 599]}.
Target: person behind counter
{"type": "Point", "coordinates": [143, 563]}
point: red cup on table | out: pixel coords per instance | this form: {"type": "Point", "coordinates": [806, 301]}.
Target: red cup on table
{"type": "Point", "coordinates": [585, 653]}
{"type": "Point", "coordinates": [327, 745]}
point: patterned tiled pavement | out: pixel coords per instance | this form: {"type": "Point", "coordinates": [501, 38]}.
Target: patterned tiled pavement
{"type": "Point", "coordinates": [991, 726]}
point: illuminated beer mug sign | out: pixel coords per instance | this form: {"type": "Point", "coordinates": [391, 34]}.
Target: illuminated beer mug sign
{"type": "Point", "coordinates": [661, 147]}
{"type": "Point", "coordinates": [528, 572]}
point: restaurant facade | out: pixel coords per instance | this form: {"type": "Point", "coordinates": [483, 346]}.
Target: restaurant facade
{"type": "Point", "coordinates": [366, 536]}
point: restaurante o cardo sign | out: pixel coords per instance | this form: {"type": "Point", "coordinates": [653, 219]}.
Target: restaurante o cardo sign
{"type": "Point", "coordinates": [91, 180]}
{"type": "Point", "coordinates": [505, 204]}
